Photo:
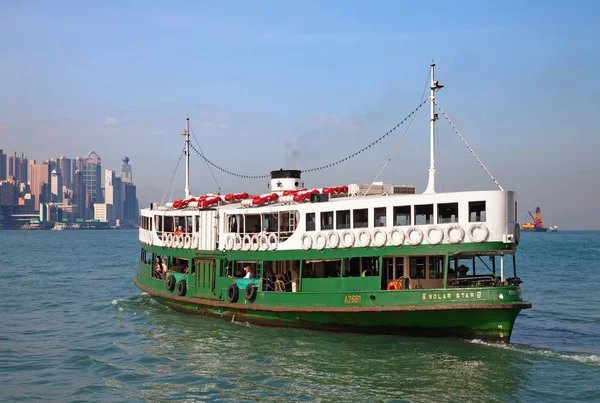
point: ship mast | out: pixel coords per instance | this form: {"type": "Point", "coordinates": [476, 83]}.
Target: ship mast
{"type": "Point", "coordinates": [187, 157]}
{"type": "Point", "coordinates": [434, 86]}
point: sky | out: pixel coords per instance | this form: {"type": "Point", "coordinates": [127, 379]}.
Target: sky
{"type": "Point", "coordinates": [300, 84]}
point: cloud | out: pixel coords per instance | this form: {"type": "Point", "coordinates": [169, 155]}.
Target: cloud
{"type": "Point", "coordinates": [110, 121]}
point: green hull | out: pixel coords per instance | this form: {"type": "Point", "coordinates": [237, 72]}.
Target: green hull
{"type": "Point", "coordinates": [347, 304]}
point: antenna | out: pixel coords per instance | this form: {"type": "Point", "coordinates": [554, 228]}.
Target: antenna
{"type": "Point", "coordinates": [434, 86]}
{"type": "Point", "coordinates": [187, 157]}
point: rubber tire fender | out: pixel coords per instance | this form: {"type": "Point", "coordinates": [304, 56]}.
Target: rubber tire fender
{"type": "Point", "coordinates": [250, 293]}
{"type": "Point", "coordinates": [171, 282]}
{"type": "Point", "coordinates": [233, 293]}
{"type": "Point", "coordinates": [181, 288]}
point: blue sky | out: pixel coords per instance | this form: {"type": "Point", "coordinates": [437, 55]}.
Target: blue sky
{"type": "Point", "coordinates": [299, 84]}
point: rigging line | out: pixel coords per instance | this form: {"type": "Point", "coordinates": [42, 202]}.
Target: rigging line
{"type": "Point", "coordinates": [225, 170]}
{"type": "Point", "coordinates": [172, 177]}
{"type": "Point", "coordinates": [204, 162]}
{"type": "Point", "coordinates": [370, 145]}
{"type": "Point", "coordinates": [395, 149]}
{"type": "Point", "coordinates": [426, 83]}
{"type": "Point", "coordinates": [468, 146]}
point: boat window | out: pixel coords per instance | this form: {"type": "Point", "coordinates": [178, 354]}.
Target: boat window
{"type": "Point", "coordinates": [288, 221]}
{"type": "Point", "coordinates": [447, 213]}
{"type": "Point", "coordinates": [327, 220]}
{"type": "Point", "coordinates": [252, 223]}
{"type": "Point", "coordinates": [342, 219]}
{"type": "Point", "coordinates": [424, 214]}
{"type": "Point", "coordinates": [352, 267]}
{"type": "Point", "coordinates": [310, 221]}
{"type": "Point", "coordinates": [143, 257]}
{"type": "Point", "coordinates": [380, 217]}
{"type": "Point", "coordinates": [169, 226]}
{"type": "Point", "coordinates": [326, 268]}
{"type": "Point", "coordinates": [369, 266]}
{"type": "Point", "coordinates": [417, 267]}
{"type": "Point", "coordinates": [402, 215]}
{"type": "Point", "coordinates": [271, 221]}
{"type": "Point", "coordinates": [281, 275]}
{"type": "Point", "coordinates": [399, 263]}
{"type": "Point", "coordinates": [232, 223]}
{"type": "Point", "coordinates": [361, 218]}
{"type": "Point", "coordinates": [476, 211]}
{"type": "Point", "coordinates": [158, 224]}
{"type": "Point", "coordinates": [436, 267]}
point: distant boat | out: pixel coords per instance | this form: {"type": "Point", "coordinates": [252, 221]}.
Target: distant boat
{"type": "Point", "coordinates": [553, 228]}
{"type": "Point", "coordinates": [60, 226]}
{"type": "Point", "coordinates": [537, 225]}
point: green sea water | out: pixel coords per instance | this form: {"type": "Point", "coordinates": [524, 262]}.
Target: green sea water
{"type": "Point", "coordinates": [73, 328]}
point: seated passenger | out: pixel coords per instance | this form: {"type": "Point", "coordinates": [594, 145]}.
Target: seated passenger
{"type": "Point", "coordinates": [249, 273]}
{"type": "Point", "coordinates": [265, 232]}
{"type": "Point", "coordinates": [158, 268]}
{"type": "Point", "coordinates": [179, 230]}
{"type": "Point", "coordinates": [271, 281]}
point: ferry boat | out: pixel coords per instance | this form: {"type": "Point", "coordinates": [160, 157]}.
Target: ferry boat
{"type": "Point", "coordinates": [368, 258]}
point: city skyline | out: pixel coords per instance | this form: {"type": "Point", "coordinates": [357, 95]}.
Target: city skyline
{"type": "Point", "coordinates": [264, 92]}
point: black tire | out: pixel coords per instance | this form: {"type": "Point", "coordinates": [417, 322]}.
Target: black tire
{"type": "Point", "coordinates": [250, 293]}
{"type": "Point", "coordinates": [233, 293]}
{"type": "Point", "coordinates": [181, 288]}
{"type": "Point", "coordinates": [171, 283]}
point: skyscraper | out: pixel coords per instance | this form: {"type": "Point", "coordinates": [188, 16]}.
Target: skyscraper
{"type": "Point", "coordinates": [17, 167]}
{"type": "Point", "coordinates": [130, 203]}
{"type": "Point", "coordinates": [126, 173]}
{"type": "Point", "coordinates": [39, 183]}
{"type": "Point", "coordinates": [56, 185]}
{"type": "Point", "coordinates": [79, 194]}
{"type": "Point", "coordinates": [77, 165]}
{"type": "Point", "coordinates": [92, 179]}
{"type": "Point", "coordinates": [65, 171]}
{"type": "Point", "coordinates": [3, 168]}
{"type": "Point", "coordinates": [113, 190]}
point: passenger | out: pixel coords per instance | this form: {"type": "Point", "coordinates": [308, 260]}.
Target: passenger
{"type": "Point", "coordinates": [249, 273]}
{"type": "Point", "coordinates": [158, 267]}
{"type": "Point", "coordinates": [189, 229]}
{"type": "Point", "coordinates": [271, 281]}
{"type": "Point", "coordinates": [264, 232]}
{"type": "Point", "coordinates": [179, 230]}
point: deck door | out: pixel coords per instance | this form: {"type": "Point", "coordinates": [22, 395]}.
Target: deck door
{"type": "Point", "coordinates": [205, 276]}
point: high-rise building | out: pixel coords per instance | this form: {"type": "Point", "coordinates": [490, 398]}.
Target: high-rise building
{"type": "Point", "coordinates": [65, 171]}
{"type": "Point", "coordinates": [92, 178]}
{"type": "Point", "coordinates": [77, 165]}
{"type": "Point", "coordinates": [113, 191]}
{"type": "Point", "coordinates": [56, 187]}
{"type": "Point", "coordinates": [130, 203]}
{"type": "Point", "coordinates": [126, 173]}
{"type": "Point", "coordinates": [79, 194]}
{"type": "Point", "coordinates": [39, 183]}
{"type": "Point", "coordinates": [17, 167]}
{"type": "Point", "coordinates": [3, 167]}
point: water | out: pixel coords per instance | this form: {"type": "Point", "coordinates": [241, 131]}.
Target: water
{"type": "Point", "coordinates": [74, 328]}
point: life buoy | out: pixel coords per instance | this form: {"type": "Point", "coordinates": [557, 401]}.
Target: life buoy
{"type": "Point", "coordinates": [229, 242]}
{"type": "Point", "coordinates": [433, 240]}
{"type": "Point", "coordinates": [171, 283]}
{"type": "Point", "coordinates": [333, 239]}
{"type": "Point", "coordinates": [306, 241]}
{"type": "Point", "coordinates": [187, 241]}
{"type": "Point", "coordinates": [150, 238]}
{"type": "Point", "coordinates": [263, 241]}
{"type": "Point", "coordinates": [396, 237]}
{"type": "Point", "coordinates": [195, 241]}
{"type": "Point", "coordinates": [409, 237]}
{"type": "Point", "coordinates": [181, 288]}
{"type": "Point", "coordinates": [482, 230]}
{"type": "Point", "coordinates": [247, 242]}
{"type": "Point", "coordinates": [273, 241]}
{"type": "Point", "coordinates": [233, 293]}
{"type": "Point", "coordinates": [169, 240]}
{"type": "Point", "coordinates": [320, 241]}
{"type": "Point", "coordinates": [453, 229]}
{"type": "Point", "coordinates": [254, 243]}
{"type": "Point", "coordinates": [250, 293]}
{"type": "Point", "coordinates": [394, 286]}
{"type": "Point", "coordinates": [348, 239]}
{"type": "Point", "coordinates": [364, 238]}
{"type": "Point", "coordinates": [238, 242]}
{"type": "Point", "coordinates": [379, 237]}
{"type": "Point", "coordinates": [180, 241]}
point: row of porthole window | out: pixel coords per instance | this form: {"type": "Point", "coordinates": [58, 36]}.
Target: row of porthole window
{"type": "Point", "coordinates": [423, 215]}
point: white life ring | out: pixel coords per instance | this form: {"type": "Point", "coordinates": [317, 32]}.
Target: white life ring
{"type": "Point", "coordinates": [320, 241]}
{"type": "Point", "coordinates": [409, 238]}
{"type": "Point", "coordinates": [482, 230]}
{"type": "Point", "coordinates": [229, 242]}
{"type": "Point", "coordinates": [246, 242]}
{"type": "Point", "coordinates": [181, 241]}
{"type": "Point", "coordinates": [379, 237]}
{"type": "Point", "coordinates": [168, 240]}
{"type": "Point", "coordinates": [238, 242]}
{"type": "Point", "coordinates": [263, 242]}
{"type": "Point", "coordinates": [187, 241]}
{"type": "Point", "coordinates": [143, 236]}
{"type": "Point", "coordinates": [255, 244]}
{"type": "Point", "coordinates": [333, 239]}
{"type": "Point", "coordinates": [396, 237]}
{"type": "Point", "coordinates": [364, 238]}
{"type": "Point", "coordinates": [433, 240]}
{"type": "Point", "coordinates": [348, 239]}
{"type": "Point", "coordinates": [306, 241]}
{"type": "Point", "coordinates": [150, 238]}
{"type": "Point", "coordinates": [273, 241]}
{"type": "Point", "coordinates": [453, 229]}
{"type": "Point", "coordinates": [195, 241]}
